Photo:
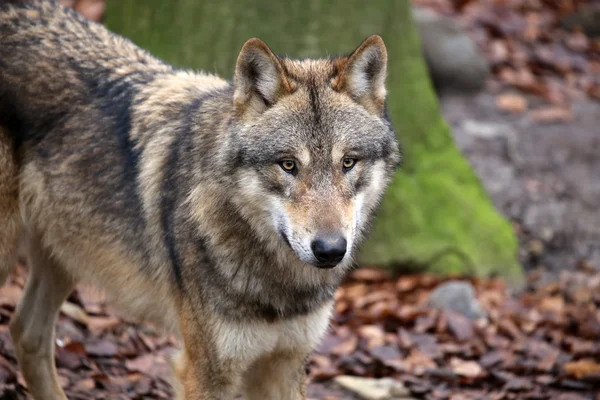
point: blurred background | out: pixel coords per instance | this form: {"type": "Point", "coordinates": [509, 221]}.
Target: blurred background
{"type": "Point", "coordinates": [482, 276]}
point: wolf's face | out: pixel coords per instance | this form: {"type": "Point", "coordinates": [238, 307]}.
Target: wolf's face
{"type": "Point", "coordinates": [315, 150]}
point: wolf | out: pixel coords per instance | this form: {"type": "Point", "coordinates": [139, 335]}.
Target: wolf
{"type": "Point", "coordinates": [225, 212]}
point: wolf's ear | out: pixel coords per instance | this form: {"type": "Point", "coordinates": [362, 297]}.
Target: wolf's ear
{"type": "Point", "coordinates": [259, 78]}
{"type": "Point", "coordinates": [363, 74]}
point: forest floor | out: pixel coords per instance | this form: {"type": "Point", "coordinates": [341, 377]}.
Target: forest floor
{"type": "Point", "coordinates": [534, 142]}
{"type": "Point", "coordinates": [541, 344]}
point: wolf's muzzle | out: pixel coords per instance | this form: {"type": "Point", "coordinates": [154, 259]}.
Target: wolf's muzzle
{"type": "Point", "coordinates": [329, 250]}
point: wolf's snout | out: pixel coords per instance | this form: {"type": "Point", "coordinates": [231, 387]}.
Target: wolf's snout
{"type": "Point", "coordinates": [329, 250]}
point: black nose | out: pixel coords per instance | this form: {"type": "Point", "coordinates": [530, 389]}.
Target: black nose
{"type": "Point", "coordinates": [329, 250]}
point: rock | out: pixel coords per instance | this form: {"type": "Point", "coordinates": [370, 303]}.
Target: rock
{"type": "Point", "coordinates": [374, 389]}
{"type": "Point", "coordinates": [458, 296]}
{"type": "Point", "coordinates": [586, 18]}
{"type": "Point", "coordinates": [488, 130]}
{"type": "Point", "coordinates": [453, 59]}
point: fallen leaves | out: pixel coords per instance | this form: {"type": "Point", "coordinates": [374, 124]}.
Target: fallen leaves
{"type": "Point", "coordinates": [535, 346]}
{"type": "Point", "coordinates": [542, 344]}
{"type": "Point", "coordinates": [459, 326]}
{"type": "Point", "coordinates": [97, 354]}
{"type": "Point", "coordinates": [468, 369]}
{"type": "Point", "coordinates": [511, 102]}
{"type": "Point", "coordinates": [530, 50]}
{"type": "Point", "coordinates": [582, 368]}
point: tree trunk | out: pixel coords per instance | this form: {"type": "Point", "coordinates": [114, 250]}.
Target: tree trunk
{"type": "Point", "coordinates": [436, 215]}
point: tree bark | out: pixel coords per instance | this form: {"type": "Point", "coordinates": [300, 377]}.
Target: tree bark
{"type": "Point", "coordinates": [436, 214]}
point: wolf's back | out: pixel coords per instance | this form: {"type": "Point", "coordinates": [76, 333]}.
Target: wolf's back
{"type": "Point", "coordinates": [55, 63]}
{"type": "Point", "coordinates": [68, 92]}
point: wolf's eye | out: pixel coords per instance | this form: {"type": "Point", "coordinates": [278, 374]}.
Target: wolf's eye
{"type": "Point", "coordinates": [348, 163]}
{"type": "Point", "coordinates": [288, 166]}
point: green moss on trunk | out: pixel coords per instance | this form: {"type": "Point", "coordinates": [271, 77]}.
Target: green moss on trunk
{"type": "Point", "coordinates": [436, 213]}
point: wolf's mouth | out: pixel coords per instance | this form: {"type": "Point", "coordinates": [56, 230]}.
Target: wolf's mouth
{"type": "Point", "coordinates": [323, 265]}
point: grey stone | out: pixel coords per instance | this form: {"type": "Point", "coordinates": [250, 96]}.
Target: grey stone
{"type": "Point", "coordinates": [453, 59]}
{"type": "Point", "coordinates": [488, 130]}
{"type": "Point", "coordinates": [458, 296]}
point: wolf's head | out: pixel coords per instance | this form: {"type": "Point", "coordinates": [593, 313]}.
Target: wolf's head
{"type": "Point", "coordinates": [316, 150]}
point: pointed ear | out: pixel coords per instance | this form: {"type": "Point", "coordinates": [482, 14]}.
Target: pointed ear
{"type": "Point", "coordinates": [363, 75]}
{"type": "Point", "coordinates": [259, 78]}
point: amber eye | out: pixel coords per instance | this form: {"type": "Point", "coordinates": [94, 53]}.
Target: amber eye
{"type": "Point", "coordinates": [288, 166]}
{"type": "Point", "coordinates": [348, 163]}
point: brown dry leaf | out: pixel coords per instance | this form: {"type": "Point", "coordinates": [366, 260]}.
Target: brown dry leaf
{"type": "Point", "coordinates": [518, 385]}
{"type": "Point", "coordinates": [63, 381]}
{"type": "Point", "coordinates": [92, 298]}
{"type": "Point", "coordinates": [532, 31]}
{"type": "Point", "coordinates": [141, 364]}
{"type": "Point", "coordinates": [551, 114]}
{"type": "Point", "coordinates": [321, 367]}
{"type": "Point", "coordinates": [74, 312]}
{"type": "Point", "coordinates": [356, 290]}
{"type": "Point", "coordinates": [374, 334]}
{"type": "Point", "coordinates": [149, 342]}
{"type": "Point", "coordinates": [97, 325]}
{"type": "Point", "coordinates": [101, 348]}
{"type": "Point", "coordinates": [571, 396]}
{"type": "Point", "coordinates": [346, 347]}
{"type": "Point", "coordinates": [468, 369]}
{"type": "Point", "coordinates": [582, 368]}
{"type": "Point", "coordinates": [84, 385]}
{"type": "Point", "coordinates": [498, 52]}
{"type": "Point", "coordinates": [460, 326]}
{"type": "Point", "coordinates": [143, 386]}
{"type": "Point", "coordinates": [508, 327]}
{"type": "Point", "coordinates": [370, 275]}
{"type": "Point", "coordinates": [545, 354]}
{"type": "Point", "coordinates": [71, 355]}
{"type": "Point", "coordinates": [590, 329]}
{"type": "Point", "coordinates": [407, 283]}
{"type": "Point", "coordinates": [419, 362]}
{"type": "Point", "coordinates": [153, 365]}
{"type": "Point", "coordinates": [579, 347]}
{"type": "Point", "coordinates": [555, 304]}
{"type": "Point", "coordinates": [578, 41]}
{"type": "Point", "coordinates": [375, 297]}
{"type": "Point", "coordinates": [7, 371]}
{"type": "Point", "coordinates": [491, 359]}
{"type": "Point", "coordinates": [594, 91]}
{"type": "Point", "coordinates": [389, 356]}
{"type": "Point", "coordinates": [425, 323]}
{"type": "Point", "coordinates": [511, 102]}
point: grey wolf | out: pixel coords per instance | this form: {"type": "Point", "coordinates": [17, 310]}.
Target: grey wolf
{"type": "Point", "coordinates": [225, 212]}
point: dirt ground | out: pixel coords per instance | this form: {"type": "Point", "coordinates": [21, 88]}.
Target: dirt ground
{"type": "Point", "coordinates": [543, 176]}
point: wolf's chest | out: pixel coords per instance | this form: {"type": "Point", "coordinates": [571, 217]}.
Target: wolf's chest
{"type": "Point", "coordinates": [245, 342]}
